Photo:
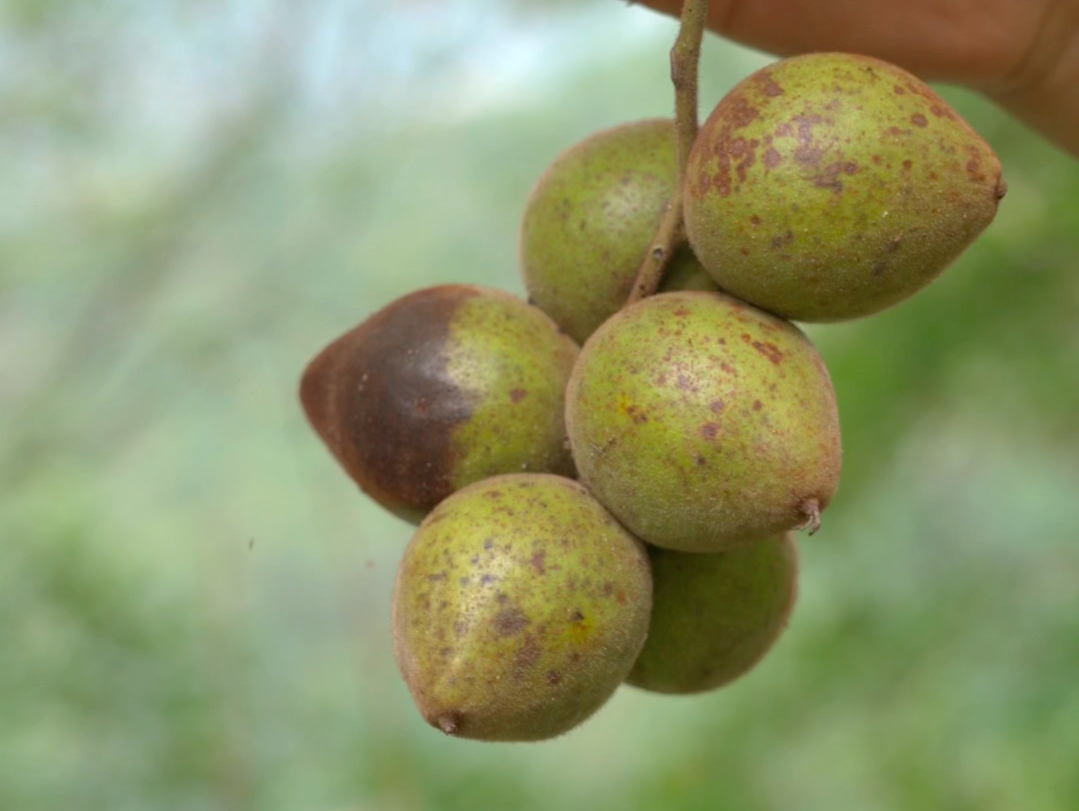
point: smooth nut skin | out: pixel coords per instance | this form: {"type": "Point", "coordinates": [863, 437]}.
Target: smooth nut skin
{"type": "Point", "coordinates": [590, 219]}
{"type": "Point", "coordinates": [704, 423]}
{"type": "Point", "coordinates": [831, 186]}
{"type": "Point", "coordinates": [519, 607]}
{"type": "Point", "coordinates": [685, 272]}
{"type": "Point", "coordinates": [714, 617]}
{"type": "Point", "coordinates": [442, 388]}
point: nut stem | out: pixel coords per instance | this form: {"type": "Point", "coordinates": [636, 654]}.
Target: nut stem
{"type": "Point", "coordinates": [685, 59]}
{"type": "Point", "coordinates": [811, 509]}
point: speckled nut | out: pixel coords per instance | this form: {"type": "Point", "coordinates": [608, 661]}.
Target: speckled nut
{"type": "Point", "coordinates": [831, 186]}
{"type": "Point", "coordinates": [704, 423]}
{"type": "Point", "coordinates": [519, 607]}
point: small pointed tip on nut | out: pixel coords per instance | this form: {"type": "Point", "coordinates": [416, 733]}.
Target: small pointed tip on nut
{"type": "Point", "coordinates": [811, 509]}
{"type": "Point", "coordinates": [447, 723]}
{"type": "Point", "coordinates": [1002, 189]}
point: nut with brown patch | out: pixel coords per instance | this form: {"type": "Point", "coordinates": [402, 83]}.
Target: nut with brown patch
{"type": "Point", "coordinates": [442, 388]}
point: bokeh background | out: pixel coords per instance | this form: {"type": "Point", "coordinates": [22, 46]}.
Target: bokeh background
{"type": "Point", "coordinates": [194, 601]}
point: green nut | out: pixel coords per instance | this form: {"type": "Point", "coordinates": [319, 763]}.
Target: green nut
{"type": "Point", "coordinates": [704, 423]}
{"type": "Point", "coordinates": [831, 186]}
{"type": "Point", "coordinates": [519, 607]}
{"type": "Point", "coordinates": [590, 221]}
{"type": "Point", "coordinates": [714, 617]}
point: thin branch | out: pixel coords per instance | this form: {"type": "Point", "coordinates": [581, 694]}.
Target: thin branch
{"type": "Point", "coordinates": [685, 57]}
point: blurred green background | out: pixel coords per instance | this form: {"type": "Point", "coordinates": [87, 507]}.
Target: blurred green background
{"type": "Point", "coordinates": [194, 600]}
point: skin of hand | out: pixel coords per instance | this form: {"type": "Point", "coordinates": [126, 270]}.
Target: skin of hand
{"type": "Point", "coordinates": [1023, 54]}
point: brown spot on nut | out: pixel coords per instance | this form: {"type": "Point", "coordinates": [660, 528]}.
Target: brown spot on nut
{"type": "Point", "coordinates": [382, 400]}
{"type": "Point", "coordinates": [782, 240]}
{"type": "Point", "coordinates": [809, 151]}
{"type": "Point", "coordinates": [769, 86]}
{"type": "Point", "coordinates": [686, 383]}
{"type": "Point", "coordinates": [735, 112]}
{"type": "Point", "coordinates": [769, 350]}
{"type": "Point", "coordinates": [538, 561]}
{"type": "Point", "coordinates": [527, 656]}
{"type": "Point", "coordinates": [829, 178]}
{"type": "Point", "coordinates": [510, 621]}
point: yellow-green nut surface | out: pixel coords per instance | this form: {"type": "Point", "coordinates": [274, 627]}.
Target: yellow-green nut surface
{"type": "Point", "coordinates": [590, 220]}
{"type": "Point", "coordinates": [685, 272]}
{"type": "Point", "coordinates": [442, 388]}
{"type": "Point", "coordinates": [831, 186]}
{"type": "Point", "coordinates": [704, 423]}
{"type": "Point", "coordinates": [714, 617]}
{"type": "Point", "coordinates": [519, 608]}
